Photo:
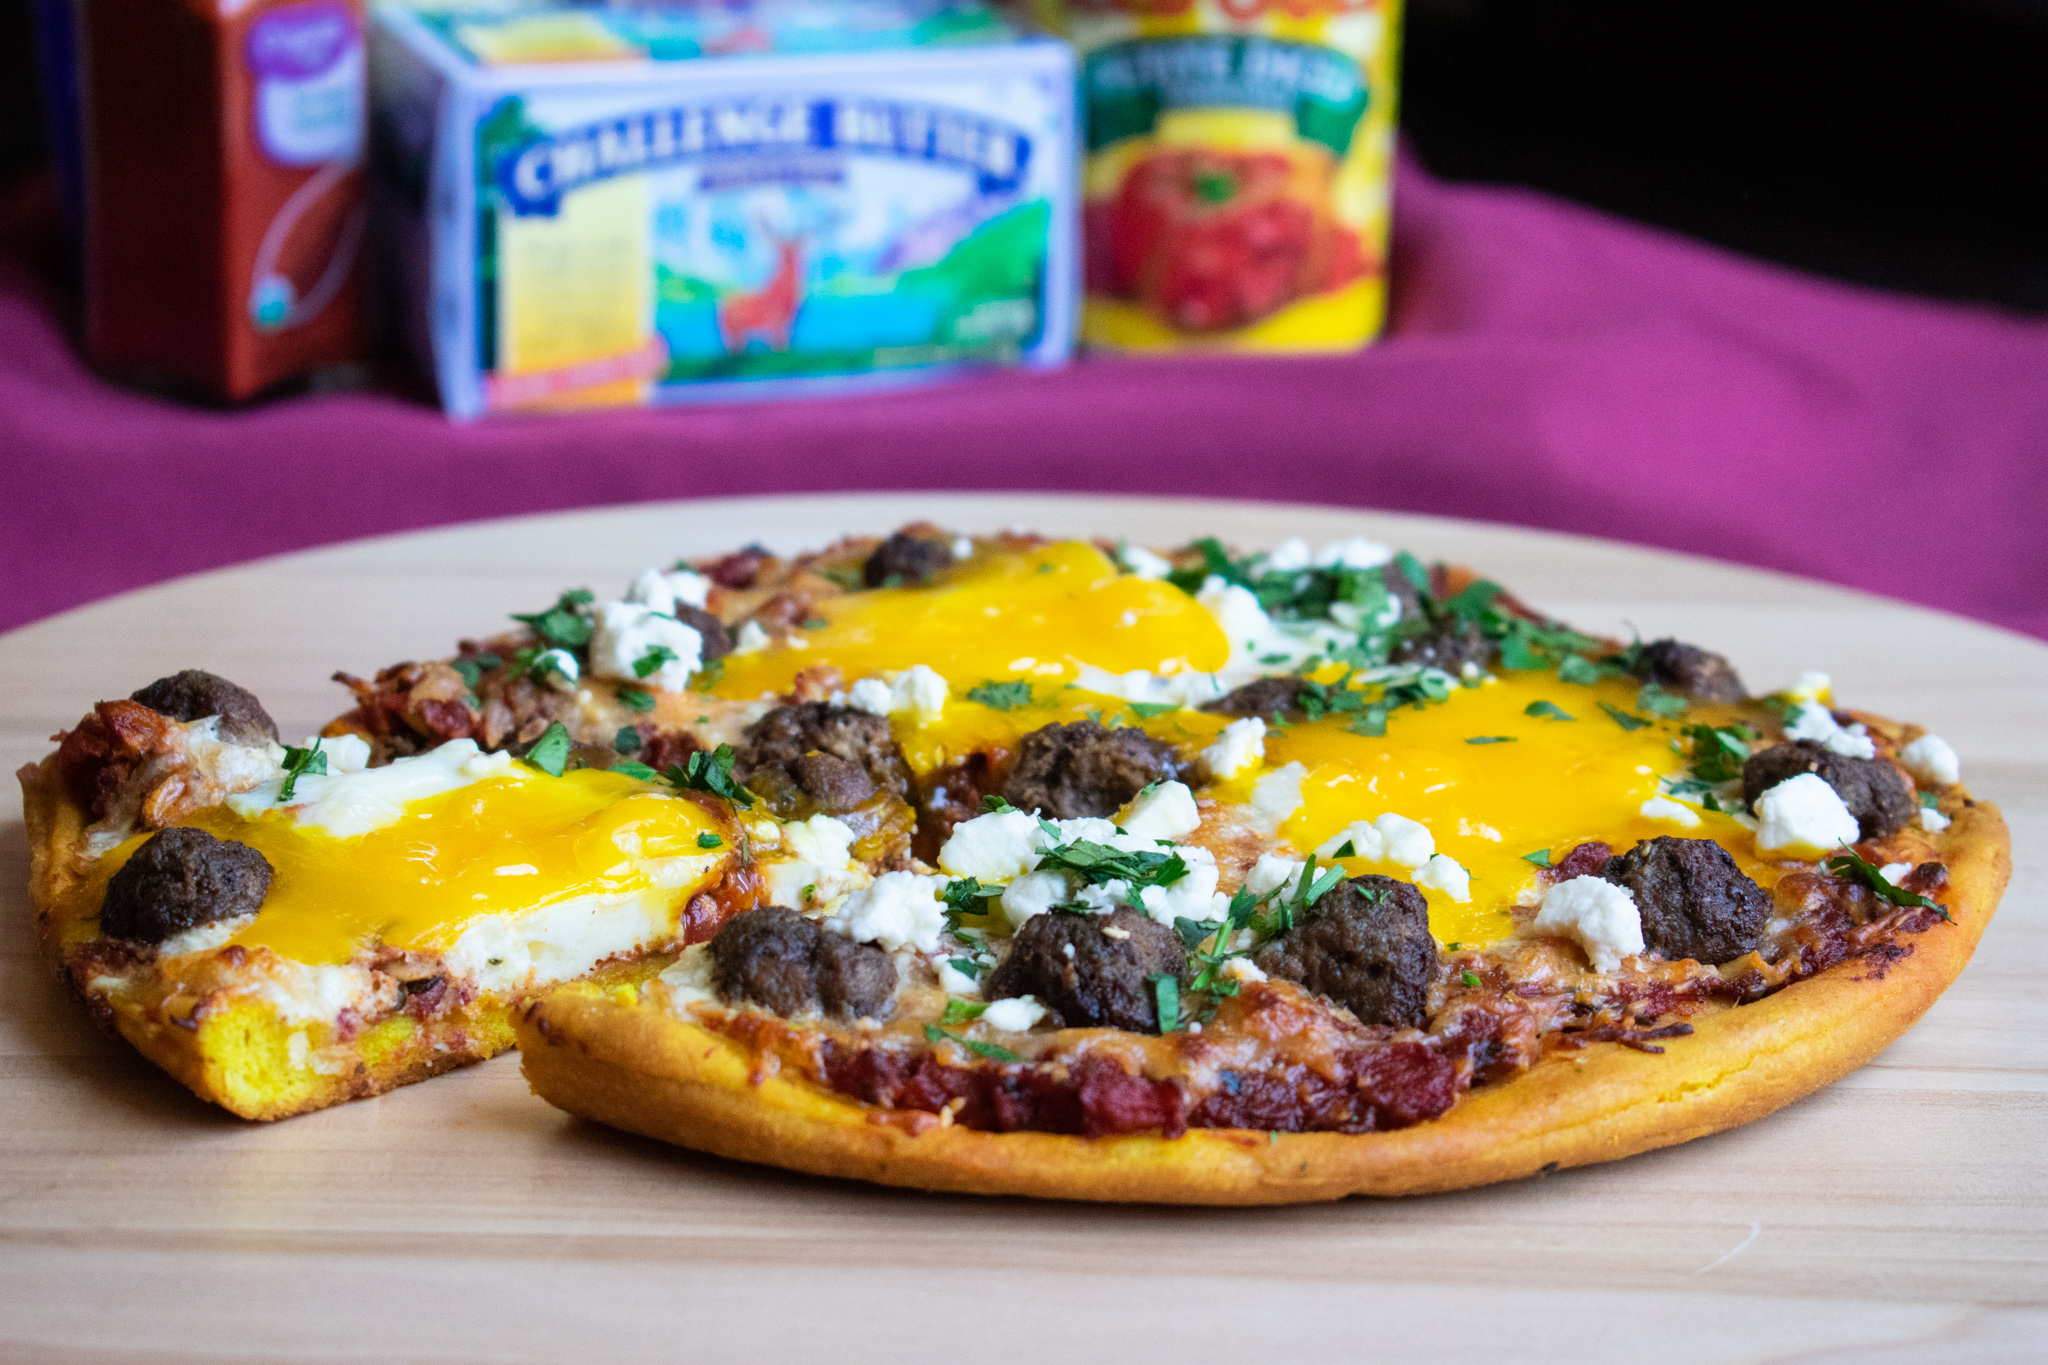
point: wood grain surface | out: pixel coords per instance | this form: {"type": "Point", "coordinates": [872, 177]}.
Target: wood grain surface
{"type": "Point", "coordinates": [1895, 1217]}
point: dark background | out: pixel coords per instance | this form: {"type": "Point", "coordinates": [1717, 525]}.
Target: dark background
{"type": "Point", "coordinates": [1899, 143]}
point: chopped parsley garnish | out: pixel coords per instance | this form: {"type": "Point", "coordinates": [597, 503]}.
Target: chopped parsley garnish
{"type": "Point", "coordinates": [966, 966]}
{"type": "Point", "coordinates": [1277, 916]}
{"type": "Point", "coordinates": [1718, 752]}
{"type": "Point", "coordinates": [1471, 979]}
{"type": "Point", "coordinates": [1577, 668]}
{"type": "Point", "coordinates": [1347, 849]}
{"type": "Point", "coordinates": [652, 661]}
{"type": "Point", "coordinates": [1541, 857]}
{"type": "Point", "coordinates": [1547, 710]}
{"type": "Point", "coordinates": [1166, 999]}
{"type": "Point", "coordinates": [1659, 702]}
{"type": "Point", "coordinates": [1146, 710]}
{"type": "Point", "coordinates": [966, 896]}
{"type": "Point", "coordinates": [816, 623]}
{"type": "Point", "coordinates": [1491, 739]}
{"type": "Point", "coordinates": [1001, 696]}
{"type": "Point", "coordinates": [1855, 867]}
{"type": "Point", "coordinates": [627, 741]}
{"type": "Point", "coordinates": [849, 579]}
{"type": "Point", "coordinates": [934, 1034]}
{"type": "Point", "coordinates": [298, 763]}
{"type": "Point", "coordinates": [565, 625]}
{"type": "Point", "coordinates": [960, 1011]}
{"type": "Point", "coordinates": [637, 770]}
{"type": "Point", "coordinates": [1098, 864]}
{"type": "Point", "coordinates": [709, 675]}
{"type": "Point", "coordinates": [710, 772]}
{"type": "Point", "coordinates": [995, 805]}
{"type": "Point", "coordinates": [550, 753]}
{"type": "Point", "coordinates": [472, 673]}
{"type": "Point", "coordinates": [709, 840]}
{"type": "Point", "coordinates": [1930, 800]}
{"type": "Point", "coordinates": [633, 699]}
{"type": "Point", "coordinates": [1454, 946]}
{"type": "Point", "coordinates": [1623, 718]}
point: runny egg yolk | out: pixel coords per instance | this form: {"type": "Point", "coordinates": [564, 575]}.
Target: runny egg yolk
{"type": "Point", "coordinates": [1004, 616]}
{"type": "Point", "coordinates": [1538, 786]}
{"type": "Point", "coordinates": [496, 846]}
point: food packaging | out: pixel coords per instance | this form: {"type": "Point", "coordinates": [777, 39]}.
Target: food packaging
{"type": "Point", "coordinates": [1237, 170]}
{"type": "Point", "coordinates": [631, 205]}
{"type": "Point", "coordinates": [224, 205]}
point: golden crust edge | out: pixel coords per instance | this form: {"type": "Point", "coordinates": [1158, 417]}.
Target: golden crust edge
{"type": "Point", "coordinates": [55, 826]}
{"type": "Point", "coordinates": [650, 1073]}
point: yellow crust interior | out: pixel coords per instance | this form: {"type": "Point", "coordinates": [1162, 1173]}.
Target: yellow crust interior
{"type": "Point", "coordinates": [601, 1055]}
{"type": "Point", "coordinates": [239, 1054]}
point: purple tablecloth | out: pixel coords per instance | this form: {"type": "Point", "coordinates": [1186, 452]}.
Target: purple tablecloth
{"type": "Point", "coordinates": [1547, 365]}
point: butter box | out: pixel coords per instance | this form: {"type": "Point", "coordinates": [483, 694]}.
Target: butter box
{"type": "Point", "coordinates": [614, 205]}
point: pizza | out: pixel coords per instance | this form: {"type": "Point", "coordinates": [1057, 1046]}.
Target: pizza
{"type": "Point", "coordinates": [1017, 865]}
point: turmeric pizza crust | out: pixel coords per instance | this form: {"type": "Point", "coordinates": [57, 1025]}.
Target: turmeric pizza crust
{"type": "Point", "coordinates": [604, 1056]}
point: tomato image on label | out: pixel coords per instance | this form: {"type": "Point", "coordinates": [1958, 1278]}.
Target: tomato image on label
{"type": "Point", "coordinates": [1209, 240]}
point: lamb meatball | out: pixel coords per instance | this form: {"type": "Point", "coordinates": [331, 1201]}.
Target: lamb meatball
{"type": "Point", "coordinates": [1101, 982]}
{"type": "Point", "coordinates": [195, 694]}
{"type": "Point", "coordinates": [1876, 793]}
{"type": "Point", "coordinates": [1366, 945]}
{"type": "Point", "coordinates": [180, 879]}
{"type": "Point", "coordinates": [717, 643]}
{"type": "Point", "coordinates": [786, 735]}
{"type": "Point", "coordinates": [1268, 698]}
{"type": "Point", "coordinates": [1689, 670]}
{"type": "Point", "coordinates": [906, 559]}
{"type": "Point", "coordinates": [1695, 902]}
{"type": "Point", "coordinates": [1446, 646]}
{"type": "Point", "coordinates": [776, 958]}
{"type": "Point", "coordinates": [1084, 769]}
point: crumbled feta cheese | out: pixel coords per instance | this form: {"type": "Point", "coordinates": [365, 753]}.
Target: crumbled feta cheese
{"type": "Point", "coordinates": [1811, 686]}
{"type": "Point", "coordinates": [916, 691]}
{"type": "Point", "coordinates": [1143, 562]}
{"type": "Point", "coordinates": [1664, 808]}
{"type": "Point", "coordinates": [1018, 1014]}
{"type": "Point", "coordinates": [1933, 821]}
{"type": "Point", "coordinates": [1191, 897]}
{"type": "Point", "coordinates": [1034, 893]}
{"type": "Point", "coordinates": [1444, 874]}
{"type": "Point", "coordinates": [1164, 811]}
{"type": "Point", "coordinates": [751, 639]}
{"type": "Point", "coordinates": [1243, 969]}
{"type": "Point", "coordinates": [1271, 871]}
{"type": "Point", "coordinates": [1815, 722]}
{"type": "Point", "coordinates": [661, 591]}
{"type": "Point", "coordinates": [820, 839]}
{"type": "Point", "coordinates": [1277, 795]}
{"type": "Point", "coordinates": [690, 979]}
{"type": "Point", "coordinates": [1895, 873]}
{"type": "Point", "coordinates": [994, 848]}
{"type": "Point", "coordinates": [558, 668]}
{"type": "Point", "coordinates": [1599, 915]}
{"type": "Point", "coordinates": [963, 547]}
{"type": "Point", "coordinates": [1240, 747]}
{"type": "Point", "coordinates": [1932, 759]}
{"type": "Point", "coordinates": [1803, 816]}
{"type": "Point", "coordinates": [1408, 842]}
{"type": "Point", "coordinates": [345, 753]}
{"type": "Point", "coordinates": [1389, 839]}
{"type": "Point", "coordinates": [204, 937]}
{"type": "Point", "coordinates": [898, 910]}
{"type": "Point", "coordinates": [1354, 552]}
{"type": "Point", "coordinates": [1154, 689]}
{"type": "Point", "coordinates": [1289, 556]}
{"type": "Point", "coordinates": [953, 981]}
{"type": "Point", "coordinates": [346, 804]}
{"type": "Point", "coordinates": [1260, 645]}
{"type": "Point", "coordinates": [634, 643]}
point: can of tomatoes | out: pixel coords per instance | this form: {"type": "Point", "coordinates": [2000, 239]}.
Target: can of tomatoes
{"type": "Point", "coordinates": [1238, 170]}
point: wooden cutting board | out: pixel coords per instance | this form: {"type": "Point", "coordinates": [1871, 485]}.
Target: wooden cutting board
{"type": "Point", "coordinates": [1897, 1216]}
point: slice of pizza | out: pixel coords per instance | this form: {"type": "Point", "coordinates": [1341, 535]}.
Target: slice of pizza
{"type": "Point", "coordinates": [1094, 872]}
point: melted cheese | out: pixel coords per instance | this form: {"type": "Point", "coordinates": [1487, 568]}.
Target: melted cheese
{"type": "Point", "coordinates": [502, 846]}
